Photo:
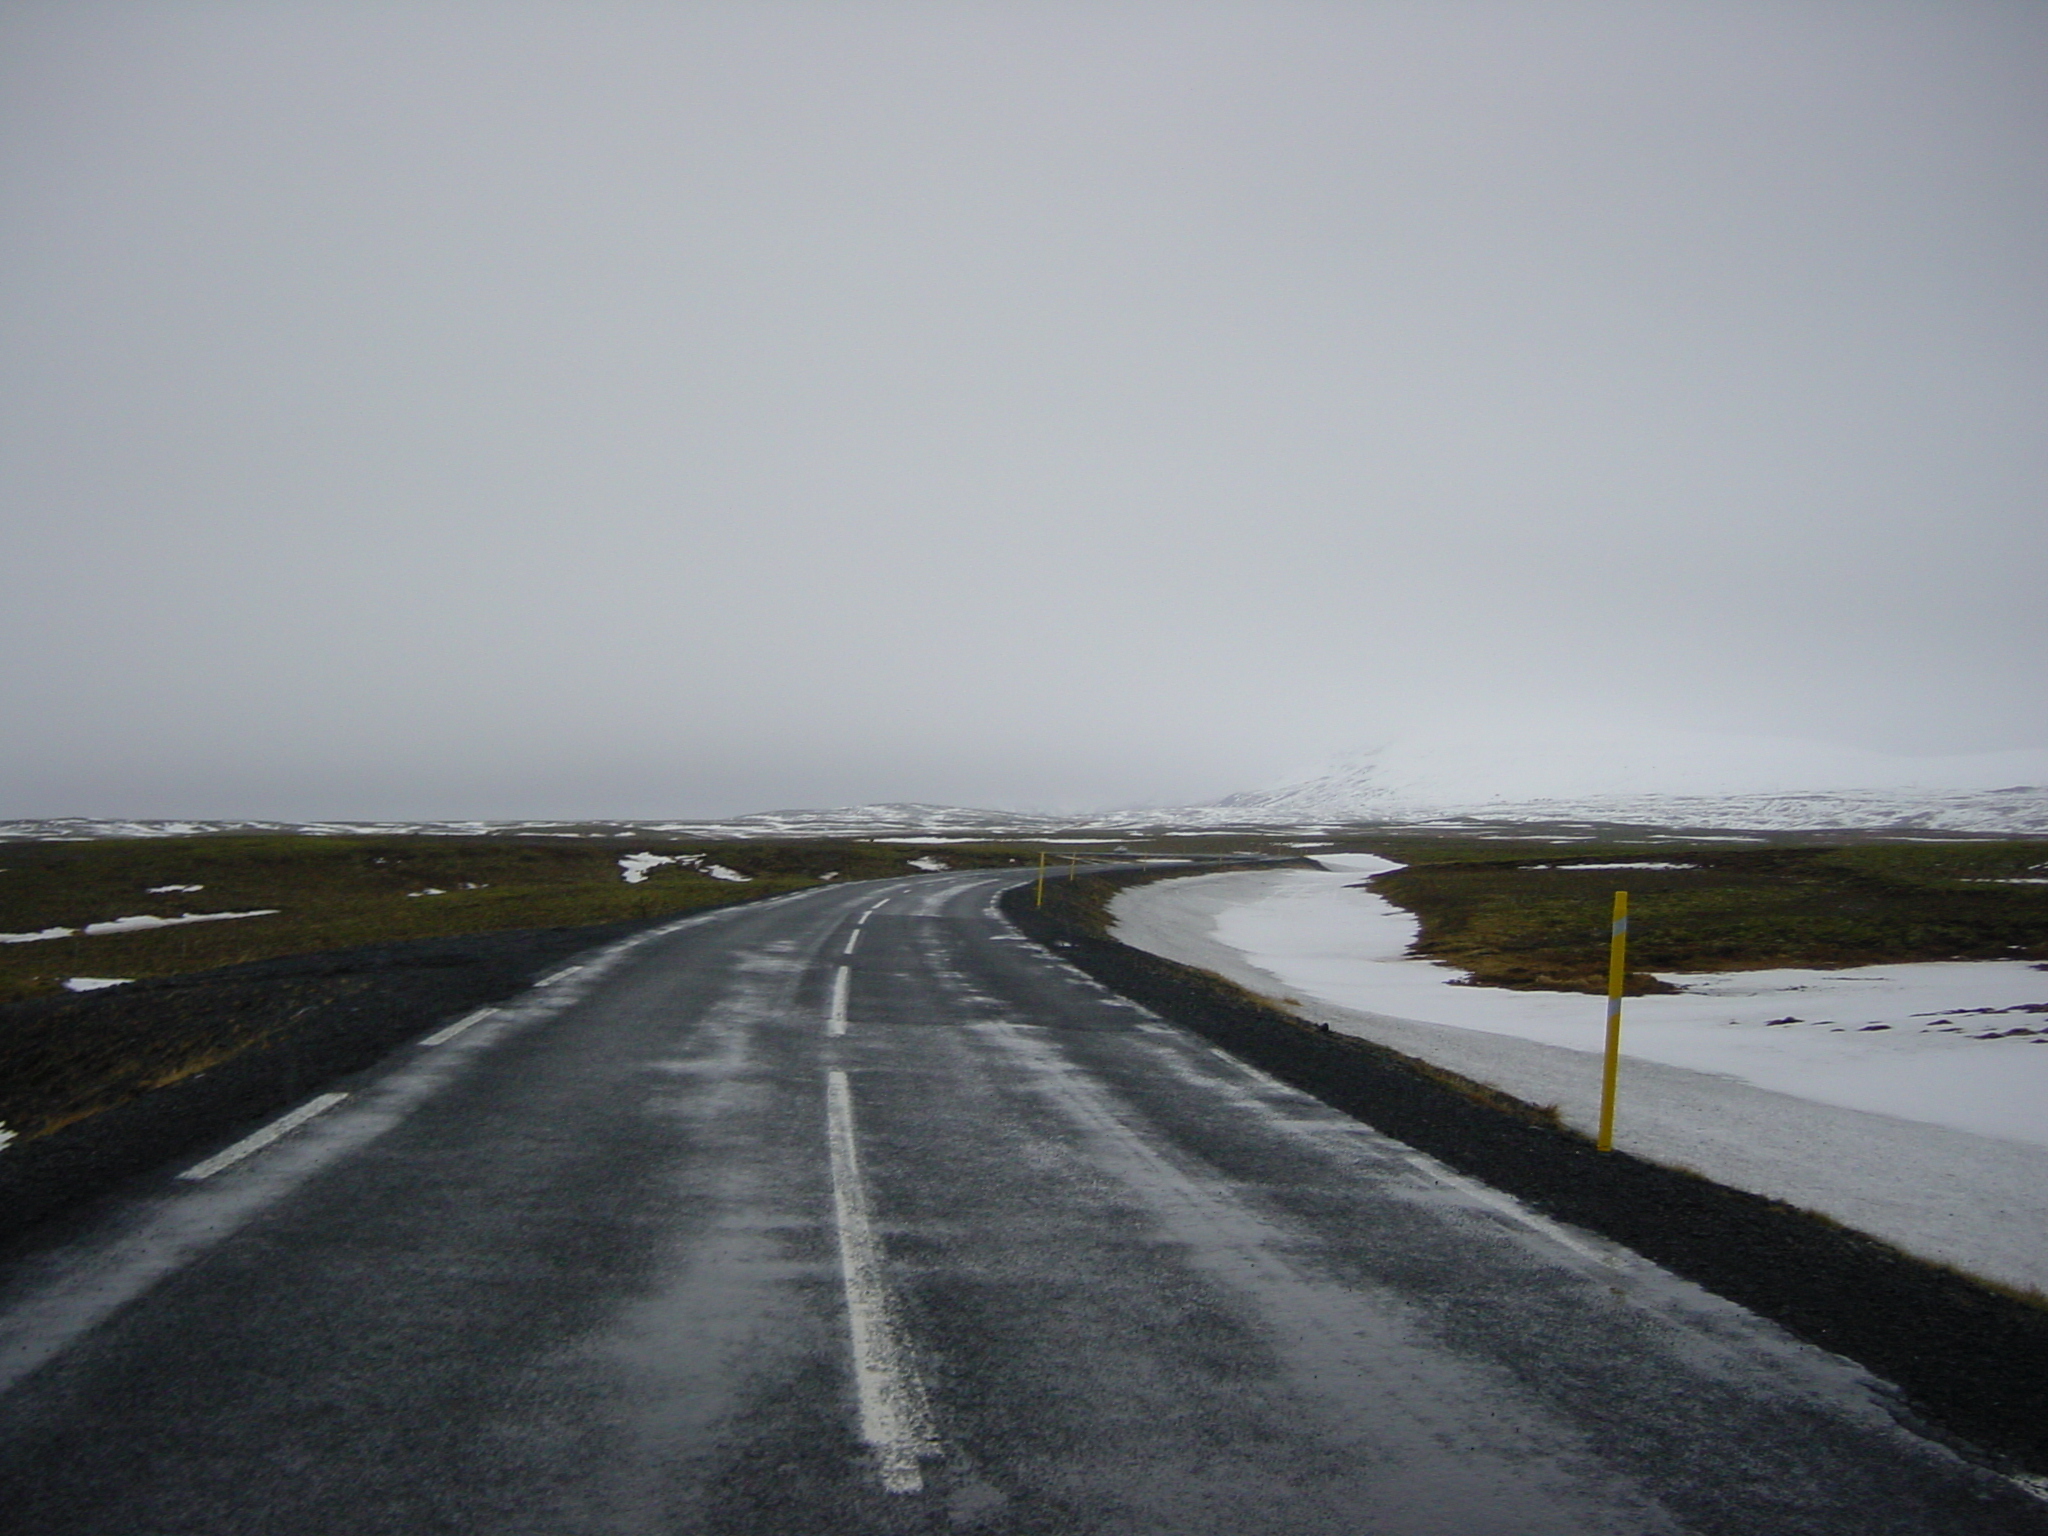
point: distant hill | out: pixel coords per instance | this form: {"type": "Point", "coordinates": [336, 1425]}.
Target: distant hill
{"type": "Point", "coordinates": [2018, 811]}
{"type": "Point", "coordinates": [1491, 775]}
{"type": "Point", "coordinates": [1660, 778]}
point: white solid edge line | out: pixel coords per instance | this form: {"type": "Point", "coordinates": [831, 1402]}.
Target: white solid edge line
{"type": "Point", "coordinates": [443, 1036]}
{"type": "Point", "coordinates": [852, 939]}
{"type": "Point", "coordinates": [567, 970]}
{"type": "Point", "coordinates": [835, 1019]}
{"type": "Point", "coordinates": [895, 1417]}
{"type": "Point", "coordinates": [1506, 1204]}
{"type": "Point", "coordinates": [263, 1138]}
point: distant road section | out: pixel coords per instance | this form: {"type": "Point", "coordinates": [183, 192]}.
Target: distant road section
{"type": "Point", "coordinates": [855, 1211]}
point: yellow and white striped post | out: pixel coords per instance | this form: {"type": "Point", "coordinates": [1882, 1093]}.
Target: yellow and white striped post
{"type": "Point", "coordinates": [1617, 971]}
{"type": "Point", "coordinates": [1040, 900]}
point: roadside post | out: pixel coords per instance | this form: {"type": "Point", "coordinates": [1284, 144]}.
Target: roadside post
{"type": "Point", "coordinates": [1039, 901]}
{"type": "Point", "coordinates": [1617, 969]}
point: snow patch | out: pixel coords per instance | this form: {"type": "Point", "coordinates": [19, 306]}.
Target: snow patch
{"type": "Point", "coordinates": [136, 924]}
{"type": "Point", "coordinates": [1349, 946]}
{"type": "Point", "coordinates": [929, 864]}
{"type": "Point", "coordinates": [1637, 864]}
{"type": "Point", "coordinates": [166, 890]}
{"type": "Point", "coordinates": [1909, 1101]}
{"type": "Point", "coordinates": [635, 867]}
{"type": "Point", "coordinates": [94, 983]}
{"type": "Point", "coordinates": [132, 925]}
{"type": "Point", "coordinates": [1355, 863]}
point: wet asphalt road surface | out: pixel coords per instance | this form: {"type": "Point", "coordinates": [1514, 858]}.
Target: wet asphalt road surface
{"type": "Point", "coordinates": [856, 1212]}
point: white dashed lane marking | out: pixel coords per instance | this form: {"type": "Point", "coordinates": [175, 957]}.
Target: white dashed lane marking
{"type": "Point", "coordinates": [443, 1036]}
{"type": "Point", "coordinates": [257, 1141]}
{"type": "Point", "coordinates": [835, 1019]}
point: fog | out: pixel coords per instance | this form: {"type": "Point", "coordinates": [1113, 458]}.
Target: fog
{"type": "Point", "coordinates": [651, 410]}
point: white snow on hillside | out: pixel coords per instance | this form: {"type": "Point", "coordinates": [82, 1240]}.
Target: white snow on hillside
{"type": "Point", "coordinates": [935, 823]}
{"type": "Point", "coordinates": [1910, 1101]}
{"type": "Point", "coordinates": [1650, 777]}
{"type": "Point", "coordinates": [1482, 778]}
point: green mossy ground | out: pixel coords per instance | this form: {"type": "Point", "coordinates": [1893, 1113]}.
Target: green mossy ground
{"type": "Point", "coordinates": [1494, 912]}
{"type": "Point", "coordinates": [64, 1058]}
{"type": "Point", "coordinates": [340, 892]}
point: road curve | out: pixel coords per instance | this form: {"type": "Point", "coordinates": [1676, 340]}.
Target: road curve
{"type": "Point", "coordinates": [854, 1211]}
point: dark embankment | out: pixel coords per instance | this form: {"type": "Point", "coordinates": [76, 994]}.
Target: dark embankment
{"type": "Point", "coordinates": [283, 1028]}
{"type": "Point", "coordinates": [1971, 1362]}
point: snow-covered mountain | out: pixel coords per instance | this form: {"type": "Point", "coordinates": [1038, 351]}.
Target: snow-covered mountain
{"type": "Point", "coordinates": [1480, 778]}
{"type": "Point", "coordinates": [2018, 811]}
{"type": "Point", "coordinates": [845, 821]}
{"type": "Point", "coordinates": [1660, 778]}
{"type": "Point", "coordinates": [870, 820]}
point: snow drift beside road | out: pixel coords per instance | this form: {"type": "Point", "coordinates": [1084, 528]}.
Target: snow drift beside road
{"type": "Point", "coordinates": [1920, 1134]}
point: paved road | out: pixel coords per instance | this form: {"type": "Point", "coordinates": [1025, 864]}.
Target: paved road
{"type": "Point", "coordinates": [856, 1212]}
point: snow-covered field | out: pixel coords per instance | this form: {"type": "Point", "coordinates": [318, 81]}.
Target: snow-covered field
{"type": "Point", "coordinates": [1910, 1101]}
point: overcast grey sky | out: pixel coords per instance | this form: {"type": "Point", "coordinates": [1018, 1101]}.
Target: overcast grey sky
{"type": "Point", "coordinates": [611, 409]}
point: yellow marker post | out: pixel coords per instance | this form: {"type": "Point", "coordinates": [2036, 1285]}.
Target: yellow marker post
{"type": "Point", "coordinates": [1040, 901]}
{"type": "Point", "coordinates": [1617, 972]}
